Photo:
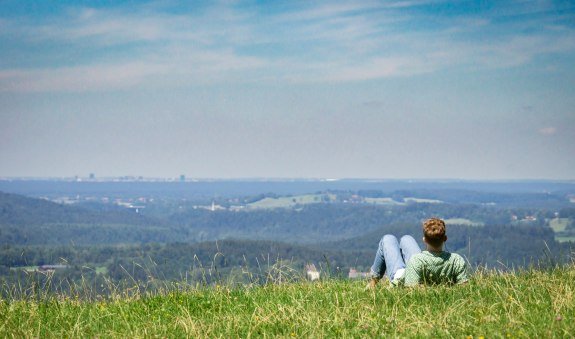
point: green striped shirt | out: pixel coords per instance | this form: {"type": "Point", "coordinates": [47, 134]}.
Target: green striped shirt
{"type": "Point", "coordinates": [435, 268]}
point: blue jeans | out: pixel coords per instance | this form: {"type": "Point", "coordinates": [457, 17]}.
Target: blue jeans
{"type": "Point", "coordinates": [392, 256]}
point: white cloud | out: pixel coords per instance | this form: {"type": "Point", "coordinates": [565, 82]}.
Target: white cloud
{"type": "Point", "coordinates": [78, 79]}
{"type": "Point", "coordinates": [183, 67]}
{"type": "Point", "coordinates": [321, 42]}
{"type": "Point", "coordinates": [377, 68]}
{"type": "Point", "coordinates": [101, 27]}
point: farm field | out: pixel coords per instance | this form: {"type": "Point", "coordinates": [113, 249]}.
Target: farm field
{"type": "Point", "coordinates": [559, 224]}
{"type": "Point", "coordinates": [290, 201]}
{"type": "Point", "coordinates": [565, 238]}
{"type": "Point", "coordinates": [562, 229]}
{"type": "Point", "coordinates": [462, 221]}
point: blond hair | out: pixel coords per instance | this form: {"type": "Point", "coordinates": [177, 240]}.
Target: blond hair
{"type": "Point", "coordinates": [434, 231]}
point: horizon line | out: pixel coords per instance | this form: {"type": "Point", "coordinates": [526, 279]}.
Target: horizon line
{"type": "Point", "coordinates": [134, 178]}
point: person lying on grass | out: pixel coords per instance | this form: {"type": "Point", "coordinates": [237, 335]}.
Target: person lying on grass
{"type": "Point", "coordinates": [430, 267]}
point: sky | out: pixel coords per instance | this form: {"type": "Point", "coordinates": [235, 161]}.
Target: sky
{"type": "Point", "coordinates": [400, 89]}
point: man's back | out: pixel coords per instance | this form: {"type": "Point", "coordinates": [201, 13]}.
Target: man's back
{"type": "Point", "coordinates": [435, 268]}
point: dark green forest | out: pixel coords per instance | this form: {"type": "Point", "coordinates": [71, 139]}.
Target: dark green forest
{"type": "Point", "coordinates": [172, 240]}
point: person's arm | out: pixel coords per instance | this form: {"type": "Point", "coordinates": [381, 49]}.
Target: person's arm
{"type": "Point", "coordinates": [413, 276]}
{"type": "Point", "coordinates": [461, 274]}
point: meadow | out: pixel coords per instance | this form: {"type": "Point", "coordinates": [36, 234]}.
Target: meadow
{"type": "Point", "coordinates": [528, 303]}
{"type": "Point", "coordinates": [289, 202]}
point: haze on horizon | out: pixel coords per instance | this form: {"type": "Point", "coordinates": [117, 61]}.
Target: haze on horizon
{"type": "Point", "coordinates": [244, 89]}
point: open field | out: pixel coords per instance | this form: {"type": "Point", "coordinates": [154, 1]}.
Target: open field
{"type": "Point", "coordinates": [462, 221]}
{"type": "Point", "coordinates": [423, 201]}
{"type": "Point", "coordinates": [305, 199]}
{"type": "Point", "coordinates": [382, 201]}
{"type": "Point", "coordinates": [559, 224]}
{"type": "Point", "coordinates": [287, 202]}
{"type": "Point", "coordinates": [561, 227]}
{"type": "Point", "coordinates": [391, 201]}
{"type": "Point", "coordinates": [528, 304]}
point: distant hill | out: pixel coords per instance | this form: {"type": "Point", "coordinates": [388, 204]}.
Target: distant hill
{"type": "Point", "coordinates": [502, 246]}
{"type": "Point", "coordinates": [211, 188]}
{"type": "Point", "coordinates": [20, 210]}
{"type": "Point", "coordinates": [31, 221]}
{"type": "Point", "coordinates": [348, 230]}
{"type": "Point", "coordinates": [309, 224]}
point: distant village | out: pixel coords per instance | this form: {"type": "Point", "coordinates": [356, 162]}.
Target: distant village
{"type": "Point", "coordinates": [235, 204]}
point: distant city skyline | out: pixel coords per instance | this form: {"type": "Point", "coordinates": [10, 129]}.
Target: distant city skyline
{"type": "Point", "coordinates": [177, 178]}
{"type": "Point", "coordinates": [412, 89]}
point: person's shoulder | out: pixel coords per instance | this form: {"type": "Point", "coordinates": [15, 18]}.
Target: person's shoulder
{"type": "Point", "coordinates": [418, 256]}
{"type": "Point", "coordinates": [454, 257]}
{"type": "Point", "coordinates": [421, 259]}
{"type": "Point", "coordinates": [418, 259]}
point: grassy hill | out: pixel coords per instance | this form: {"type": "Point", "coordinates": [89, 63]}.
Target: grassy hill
{"type": "Point", "coordinates": [531, 303]}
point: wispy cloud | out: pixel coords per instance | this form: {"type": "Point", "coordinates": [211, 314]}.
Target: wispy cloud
{"type": "Point", "coordinates": [190, 67]}
{"type": "Point", "coordinates": [108, 27]}
{"type": "Point", "coordinates": [78, 79]}
{"type": "Point", "coordinates": [303, 42]}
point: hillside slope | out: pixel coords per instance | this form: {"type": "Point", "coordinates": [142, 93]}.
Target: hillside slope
{"type": "Point", "coordinates": [32, 221]}
{"type": "Point", "coordinates": [526, 304]}
{"type": "Point", "coordinates": [491, 245]}
{"type": "Point", "coordinates": [19, 210]}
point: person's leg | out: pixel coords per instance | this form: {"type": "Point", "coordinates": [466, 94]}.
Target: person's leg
{"type": "Point", "coordinates": [378, 267]}
{"type": "Point", "coordinates": [387, 258]}
{"type": "Point", "coordinates": [408, 247]}
{"type": "Point", "coordinates": [393, 258]}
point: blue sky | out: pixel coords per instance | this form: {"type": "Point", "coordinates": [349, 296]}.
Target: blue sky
{"type": "Point", "coordinates": [336, 89]}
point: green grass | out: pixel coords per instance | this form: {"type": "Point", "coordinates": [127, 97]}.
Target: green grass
{"type": "Point", "coordinates": [287, 202]}
{"type": "Point", "coordinates": [559, 224]}
{"type": "Point", "coordinates": [382, 201]}
{"type": "Point", "coordinates": [101, 270]}
{"type": "Point", "coordinates": [390, 201]}
{"type": "Point", "coordinates": [529, 304]}
{"type": "Point", "coordinates": [423, 201]}
{"type": "Point", "coordinates": [462, 221]}
{"type": "Point", "coordinates": [561, 227]}
{"type": "Point", "coordinates": [292, 201]}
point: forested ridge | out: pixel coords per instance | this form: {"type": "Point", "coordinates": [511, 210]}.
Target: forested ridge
{"type": "Point", "coordinates": [18, 210]}
{"type": "Point", "coordinates": [172, 241]}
